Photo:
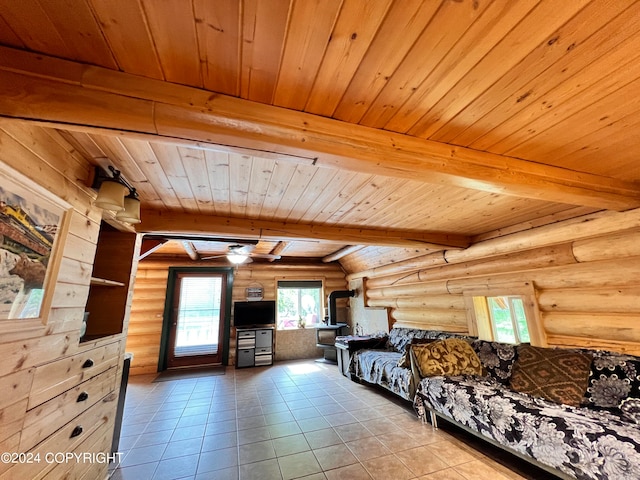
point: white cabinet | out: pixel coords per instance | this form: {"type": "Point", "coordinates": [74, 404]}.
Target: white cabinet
{"type": "Point", "coordinates": [254, 347]}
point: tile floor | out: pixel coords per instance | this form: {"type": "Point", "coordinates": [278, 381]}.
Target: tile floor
{"type": "Point", "coordinates": [297, 419]}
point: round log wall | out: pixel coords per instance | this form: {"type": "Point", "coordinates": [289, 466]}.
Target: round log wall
{"type": "Point", "coordinates": [145, 326]}
{"type": "Point", "coordinates": [586, 282]}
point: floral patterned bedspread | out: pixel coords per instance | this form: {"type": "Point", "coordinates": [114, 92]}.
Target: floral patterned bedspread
{"type": "Point", "coordinates": [381, 367]}
{"type": "Point", "coordinates": [580, 442]}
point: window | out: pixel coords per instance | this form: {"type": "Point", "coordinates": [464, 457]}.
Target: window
{"type": "Point", "coordinates": [198, 315]}
{"type": "Point", "coordinates": [510, 314]}
{"type": "Point", "coordinates": [508, 319]}
{"type": "Point", "coordinates": [299, 303]}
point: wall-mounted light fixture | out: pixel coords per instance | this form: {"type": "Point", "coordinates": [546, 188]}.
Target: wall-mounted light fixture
{"type": "Point", "coordinates": [116, 194]}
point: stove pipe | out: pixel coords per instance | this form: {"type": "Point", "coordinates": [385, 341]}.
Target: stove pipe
{"type": "Point", "coordinates": [333, 296]}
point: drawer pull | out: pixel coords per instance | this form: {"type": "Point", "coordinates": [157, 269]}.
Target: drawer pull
{"type": "Point", "coordinates": [82, 397]}
{"type": "Point", "coordinates": [88, 363]}
{"type": "Point", "coordinates": [76, 431]}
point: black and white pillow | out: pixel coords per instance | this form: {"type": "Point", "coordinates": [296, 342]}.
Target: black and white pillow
{"type": "Point", "coordinates": [497, 358]}
{"type": "Point", "coordinates": [613, 379]}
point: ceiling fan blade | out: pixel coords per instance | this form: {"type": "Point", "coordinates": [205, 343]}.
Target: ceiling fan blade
{"type": "Point", "coordinates": [213, 257]}
{"type": "Point", "coordinates": [265, 255]}
{"type": "Point", "coordinates": [245, 250]}
{"type": "Point", "coordinates": [241, 249]}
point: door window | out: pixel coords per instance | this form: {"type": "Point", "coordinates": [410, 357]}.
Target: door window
{"type": "Point", "coordinates": [197, 320]}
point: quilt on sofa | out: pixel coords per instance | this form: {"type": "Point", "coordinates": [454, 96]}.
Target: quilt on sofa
{"type": "Point", "coordinates": [380, 367]}
{"type": "Point", "coordinates": [383, 367]}
{"type": "Point", "coordinates": [574, 411]}
{"type": "Point", "coordinates": [581, 442]}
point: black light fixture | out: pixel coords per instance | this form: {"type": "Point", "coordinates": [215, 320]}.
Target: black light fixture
{"type": "Point", "coordinates": [116, 194]}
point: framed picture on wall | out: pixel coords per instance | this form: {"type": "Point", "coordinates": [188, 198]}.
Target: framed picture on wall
{"type": "Point", "coordinates": [254, 293]}
{"type": "Point", "coordinates": [32, 222]}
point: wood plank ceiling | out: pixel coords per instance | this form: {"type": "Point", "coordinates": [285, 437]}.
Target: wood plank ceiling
{"type": "Point", "coordinates": [553, 83]}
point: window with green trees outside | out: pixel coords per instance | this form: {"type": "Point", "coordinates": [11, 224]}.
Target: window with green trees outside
{"type": "Point", "coordinates": [508, 319]}
{"type": "Point", "coordinates": [299, 303]}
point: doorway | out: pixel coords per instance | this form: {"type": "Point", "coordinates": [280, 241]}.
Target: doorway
{"type": "Point", "coordinates": [196, 320]}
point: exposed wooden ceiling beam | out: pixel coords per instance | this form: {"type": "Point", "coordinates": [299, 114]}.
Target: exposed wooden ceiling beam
{"type": "Point", "coordinates": [343, 252]}
{"type": "Point", "coordinates": [150, 245]}
{"type": "Point", "coordinates": [165, 222]}
{"type": "Point", "coordinates": [190, 250]}
{"type": "Point", "coordinates": [77, 96]}
{"type": "Point", "coordinates": [278, 249]}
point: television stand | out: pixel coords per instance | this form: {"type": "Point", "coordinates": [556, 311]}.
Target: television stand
{"type": "Point", "coordinates": [254, 347]}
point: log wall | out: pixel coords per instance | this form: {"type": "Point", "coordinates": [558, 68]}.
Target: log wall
{"type": "Point", "coordinates": [585, 274]}
{"type": "Point", "coordinates": [145, 327]}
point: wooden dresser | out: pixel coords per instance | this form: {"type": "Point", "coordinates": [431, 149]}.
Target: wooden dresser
{"type": "Point", "coordinates": [70, 409]}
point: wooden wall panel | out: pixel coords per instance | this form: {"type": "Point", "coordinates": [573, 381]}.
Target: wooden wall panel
{"type": "Point", "coordinates": [51, 163]}
{"type": "Point", "coordinates": [145, 327]}
{"type": "Point", "coordinates": [587, 289]}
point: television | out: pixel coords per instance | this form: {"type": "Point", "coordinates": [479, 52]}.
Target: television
{"type": "Point", "coordinates": [256, 313]}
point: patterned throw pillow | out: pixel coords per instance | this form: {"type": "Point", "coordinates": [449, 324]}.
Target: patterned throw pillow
{"type": "Point", "coordinates": [558, 375]}
{"type": "Point", "coordinates": [405, 360]}
{"type": "Point", "coordinates": [614, 377]}
{"type": "Point", "coordinates": [449, 357]}
{"type": "Point", "coordinates": [497, 358]}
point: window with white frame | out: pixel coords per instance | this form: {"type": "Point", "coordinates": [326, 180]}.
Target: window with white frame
{"type": "Point", "coordinates": [299, 303]}
{"type": "Point", "coordinates": [502, 318]}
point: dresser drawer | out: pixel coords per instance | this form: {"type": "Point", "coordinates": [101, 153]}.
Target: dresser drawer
{"type": "Point", "coordinates": [245, 357]}
{"type": "Point", "coordinates": [67, 439]}
{"type": "Point", "coordinates": [52, 379]}
{"type": "Point", "coordinates": [12, 420]}
{"type": "Point", "coordinates": [10, 445]}
{"type": "Point", "coordinates": [262, 360]}
{"type": "Point", "coordinates": [264, 338]}
{"type": "Point", "coordinates": [246, 334]}
{"type": "Point", "coordinates": [96, 442]}
{"type": "Point", "coordinates": [45, 419]}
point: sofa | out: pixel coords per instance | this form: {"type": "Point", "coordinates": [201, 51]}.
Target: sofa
{"type": "Point", "coordinates": [388, 365]}
{"type": "Point", "coordinates": [575, 413]}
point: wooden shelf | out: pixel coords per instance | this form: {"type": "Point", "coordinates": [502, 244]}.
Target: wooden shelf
{"type": "Point", "coordinates": [106, 283]}
{"type": "Point", "coordinates": [110, 282]}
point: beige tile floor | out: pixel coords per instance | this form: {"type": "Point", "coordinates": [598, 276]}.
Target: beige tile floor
{"type": "Point", "coordinates": [291, 420]}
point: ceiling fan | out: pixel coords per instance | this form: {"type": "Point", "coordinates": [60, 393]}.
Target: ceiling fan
{"type": "Point", "coordinates": [242, 253]}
